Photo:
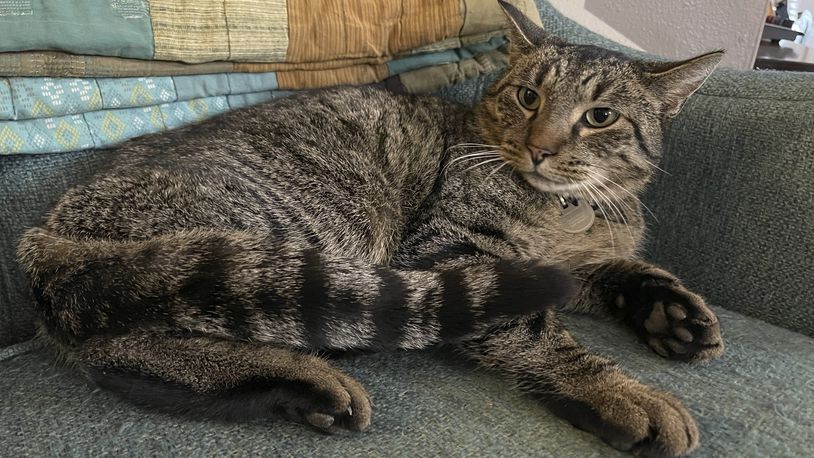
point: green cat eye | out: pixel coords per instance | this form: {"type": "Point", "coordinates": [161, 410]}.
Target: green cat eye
{"type": "Point", "coordinates": [528, 98]}
{"type": "Point", "coordinates": [601, 117]}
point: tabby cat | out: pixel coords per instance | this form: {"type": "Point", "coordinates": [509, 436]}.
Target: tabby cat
{"type": "Point", "coordinates": [202, 270]}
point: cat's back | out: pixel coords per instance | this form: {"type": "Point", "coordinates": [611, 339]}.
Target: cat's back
{"type": "Point", "coordinates": [329, 121]}
{"type": "Point", "coordinates": [326, 161]}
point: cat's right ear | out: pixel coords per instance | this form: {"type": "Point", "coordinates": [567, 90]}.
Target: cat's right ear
{"type": "Point", "coordinates": [524, 35]}
{"type": "Point", "coordinates": [675, 82]}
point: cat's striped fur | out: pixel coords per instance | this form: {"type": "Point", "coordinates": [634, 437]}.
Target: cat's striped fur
{"type": "Point", "coordinates": [248, 286]}
{"type": "Point", "coordinates": [191, 273]}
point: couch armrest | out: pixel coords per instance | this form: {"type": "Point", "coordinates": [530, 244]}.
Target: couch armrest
{"type": "Point", "coordinates": [736, 212]}
{"type": "Point", "coordinates": [29, 186]}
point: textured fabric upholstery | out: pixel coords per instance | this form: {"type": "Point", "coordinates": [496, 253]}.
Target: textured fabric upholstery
{"type": "Point", "coordinates": [29, 186]}
{"type": "Point", "coordinates": [755, 401]}
{"type": "Point", "coordinates": [736, 212]}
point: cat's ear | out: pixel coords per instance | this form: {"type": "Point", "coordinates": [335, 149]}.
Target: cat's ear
{"type": "Point", "coordinates": [524, 34]}
{"type": "Point", "coordinates": [675, 82]}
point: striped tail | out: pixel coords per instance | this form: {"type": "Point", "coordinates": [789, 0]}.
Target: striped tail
{"type": "Point", "coordinates": [245, 286]}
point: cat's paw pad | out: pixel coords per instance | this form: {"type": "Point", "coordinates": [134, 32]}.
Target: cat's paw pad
{"type": "Point", "coordinates": [636, 418]}
{"type": "Point", "coordinates": [332, 402]}
{"type": "Point", "coordinates": [675, 322]}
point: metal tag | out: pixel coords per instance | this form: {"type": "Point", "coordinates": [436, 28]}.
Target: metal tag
{"type": "Point", "coordinates": [577, 216]}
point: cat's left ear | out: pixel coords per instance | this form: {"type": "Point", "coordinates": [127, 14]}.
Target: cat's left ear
{"type": "Point", "coordinates": [524, 34]}
{"type": "Point", "coordinates": [675, 82]}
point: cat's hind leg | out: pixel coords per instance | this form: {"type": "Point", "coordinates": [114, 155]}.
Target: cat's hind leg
{"type": "Point", "coordinates": [228, 380]}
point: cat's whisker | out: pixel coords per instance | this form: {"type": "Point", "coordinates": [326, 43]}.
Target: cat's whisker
{"type": "Point", "coordinates": [599, 203]}
{"type": "Point", "coordinates": [618, 210]}
{"type": "Point", "coordinates": [613, 208]}
{"type": "Point", "coordinates": [496, 170]}
{"type": "Point", "coordinates": [482, 163]}
{"type": "Point", "coordinates": [600, 179]}
{"type": "Point", "coordinates": [635, 197]}
{"type": "Point", "coordinates": [469, 157]}
{"type": "Point", "coordinates": [615, 197]}
{"type": "Point", "coordinates": [657, 167]}
{"type": "Point", "coordinates": [600, 176]}
{"type": "Point", "coordinates": [471, 145]}
{"type": "Point", "coordinates": [475, 154]}
{"type": "Point", "coordinates": [466, 159]}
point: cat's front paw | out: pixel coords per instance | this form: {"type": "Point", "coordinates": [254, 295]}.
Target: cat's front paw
{"type": "Point", "coordinates": [675, 322]}
{"type": "Point", "coordinates": [328, 400]}
{"type": "Point", "coordinates": [634, 417]}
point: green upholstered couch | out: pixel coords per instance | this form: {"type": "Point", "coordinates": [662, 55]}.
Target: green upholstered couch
{"type": "Point", "coordinates": [735, 220]}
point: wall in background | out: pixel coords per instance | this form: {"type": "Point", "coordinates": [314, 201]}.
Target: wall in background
{"type": "Point", "coordinates": [575, 9]}
{"type": "Point", "coordinates": [677, 28]}
{"type": "Point", "coordinates": [802, 5]}
{"type": "Point", "coordinates": [682, 28]}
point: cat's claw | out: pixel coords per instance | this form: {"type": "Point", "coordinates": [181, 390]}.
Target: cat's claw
{"type": "Point", "coordinates": [673, 321]}
{"type": "Point", "coordinates": [339, 405]}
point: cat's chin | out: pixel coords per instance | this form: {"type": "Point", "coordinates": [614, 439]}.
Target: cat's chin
{"type": "Point", "coordinates": [544, 184]}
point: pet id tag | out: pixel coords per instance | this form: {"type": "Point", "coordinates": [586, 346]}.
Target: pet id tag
{"type": "Point", "coordinates": [576, 216]}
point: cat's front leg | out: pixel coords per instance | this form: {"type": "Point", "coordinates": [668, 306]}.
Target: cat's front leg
{"type": "Point", "coordinates": [674, 321]}
{"type": "Point", "coordinates": [587, 390]}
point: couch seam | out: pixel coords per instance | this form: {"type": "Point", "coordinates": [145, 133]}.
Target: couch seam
{"type": "Point", "coordinates": [12, 351]}
{"type": "Point", "coordinates": [774, 99]}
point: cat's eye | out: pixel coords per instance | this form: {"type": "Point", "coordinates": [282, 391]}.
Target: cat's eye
{"type": "Point", "coordinates": [601, 117]}
{"type": "Point", "coordinates": [528, 98]}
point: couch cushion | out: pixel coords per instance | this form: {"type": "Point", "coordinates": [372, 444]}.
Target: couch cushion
{"type": "Point", "coordinates": [757, 400]}
{"type": "Point", "coordinates": [29, 187]}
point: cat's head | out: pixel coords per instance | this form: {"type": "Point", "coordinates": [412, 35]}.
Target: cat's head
{"type": "Point", "coordinates": [564, 115]}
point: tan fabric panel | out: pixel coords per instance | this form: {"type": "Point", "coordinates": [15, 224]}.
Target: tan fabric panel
{"type": "Point", "coordinates": [308, 79]}
{"type": "Point", "coordinates": [482, 16]}
{"type": "Point", "coordinates": [258, 30]}
{"type": "Point", "coordinates": [367, 28]}
{"type": "Point", "coordinates": [425, 22]}
{"type": "Point", "coordinates": [209, 30]}
{"type": "Point", "coordinates": [327, 29]}
{"type": "Point", "coordinates": [190, 31]}
{"type": "Point", "coordinates": [259, 67]}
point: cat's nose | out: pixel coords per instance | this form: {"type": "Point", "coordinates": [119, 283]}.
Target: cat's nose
{"type": "Point", "coordinates": [538, 154]}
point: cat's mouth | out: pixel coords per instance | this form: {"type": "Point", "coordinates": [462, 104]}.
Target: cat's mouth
{"type": "Point", "coordinates": [541, 175]}
{"type": "Point", "coordinates": [546, 182]}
